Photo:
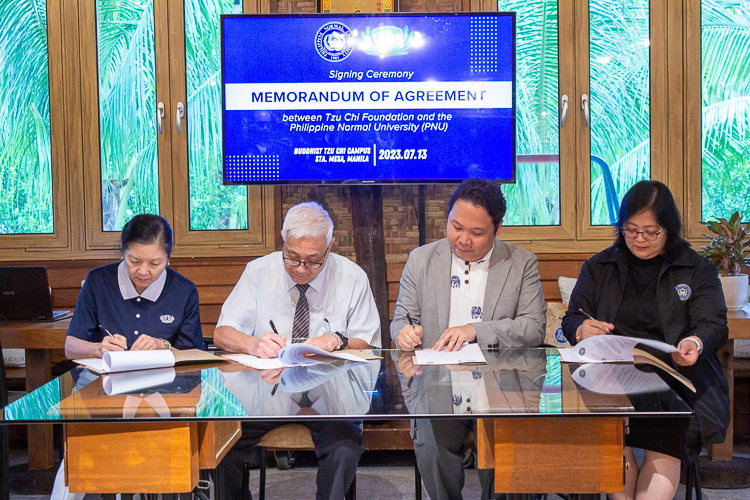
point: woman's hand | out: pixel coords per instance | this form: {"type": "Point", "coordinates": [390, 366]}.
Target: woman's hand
{"type": "Point", "coordinates": [115, 343]}
{"type": "Point", "coordinates": [591, 327]}
{"type": "Point", "coordinates": [146, 343]}
{"type": "Point", "coordinates": [689, 351]}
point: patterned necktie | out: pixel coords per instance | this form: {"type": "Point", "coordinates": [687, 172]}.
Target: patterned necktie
{"type": "Point", "coordinates": [301, 325]}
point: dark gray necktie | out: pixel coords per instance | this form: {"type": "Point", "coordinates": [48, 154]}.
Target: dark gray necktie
{"type": "Point", "coordinates": [301, 325]}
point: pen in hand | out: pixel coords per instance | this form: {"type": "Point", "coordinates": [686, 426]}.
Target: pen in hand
{"type": "Point", "coordinates": [110, 334]}
{"type": "Point", "coordinates": [411, 323]}
{"type": "Point", "coordinates": [273, 327]}
{"type": "Point", "coordinates": [589, 316]}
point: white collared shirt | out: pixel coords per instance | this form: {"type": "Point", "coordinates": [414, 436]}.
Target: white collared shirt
{"type": "Point", "coordinates": [127, 290]}
{"type": "Point", "coordinates": [340, 294]}
{"type": "Point", "coordinates": [468, 284]}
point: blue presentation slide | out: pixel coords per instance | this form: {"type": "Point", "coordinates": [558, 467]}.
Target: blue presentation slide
{"type": "Point", "coordinates": [368, 98]}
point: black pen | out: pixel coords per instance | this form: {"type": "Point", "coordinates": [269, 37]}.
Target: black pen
{"type": "Point", "coordinates": [108, 333]}
{"type": "Point", "coordinates": [411, 323]}
{"type": "Point", "coordinates": [273, 327]}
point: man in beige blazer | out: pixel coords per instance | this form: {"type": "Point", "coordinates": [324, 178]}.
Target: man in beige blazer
{"type": "Point", "coordinates": [468, 287]}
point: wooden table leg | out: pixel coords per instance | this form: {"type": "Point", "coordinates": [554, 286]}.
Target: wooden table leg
{"type": "Point", "coordinates": [41, 441]}
{"type": "Point", "coordinates": [725, 450]}
{"type": "Point", "coordinates": [722, 469]}
{"type": "Point", "coordinates": [548, 454]}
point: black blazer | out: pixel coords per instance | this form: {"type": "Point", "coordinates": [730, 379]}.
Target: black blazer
{"type": "Point", "coordinates": [690, 302]}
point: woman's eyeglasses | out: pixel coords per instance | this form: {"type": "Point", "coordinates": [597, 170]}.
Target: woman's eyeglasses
{"type": "Point", "coordinates": [632, 234]}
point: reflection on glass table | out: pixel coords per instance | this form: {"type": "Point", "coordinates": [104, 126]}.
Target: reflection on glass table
{"type": "Point", "coordinates": [514, 382]}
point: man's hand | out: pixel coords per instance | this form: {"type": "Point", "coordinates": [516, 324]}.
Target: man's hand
{"type": "Point", "coordinates": [406, 365]}
{"type": "Point", "coordinates": [146, 343]}
{"type": "Point", "coordinates": [409, 338]}
{"type": "Point", "coordinates": [688, 354]}
{"type": "Point", "coordinates": [592, 327]}
{"type": "Point", "coordinates": [116, 343]}
{"type": "Point", "coordinates": [453, 338]}
{"type": "Point", "coordinates": [269, 345]}
{"type": "Point", "coordinates": [328, 341]}
{"type": "Point", "coordinates": [271, 376]}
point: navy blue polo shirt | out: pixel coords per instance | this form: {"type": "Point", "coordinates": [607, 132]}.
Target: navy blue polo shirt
{"type": "Point", "coordinates": [174, 315]}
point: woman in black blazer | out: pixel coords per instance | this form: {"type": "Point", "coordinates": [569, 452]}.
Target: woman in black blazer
{"type": "Point", "coordinates": [651, 284]}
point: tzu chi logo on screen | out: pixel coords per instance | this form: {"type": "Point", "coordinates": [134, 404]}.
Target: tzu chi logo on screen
{"type": "Point", "coordinates": [334, 41]}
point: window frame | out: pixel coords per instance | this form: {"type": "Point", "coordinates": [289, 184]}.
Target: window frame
{"type": "Point", "coordinates": [10, 244]}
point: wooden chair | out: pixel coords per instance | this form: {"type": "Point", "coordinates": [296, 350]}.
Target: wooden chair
{"type": "Point", "coordinates": [290, 437]}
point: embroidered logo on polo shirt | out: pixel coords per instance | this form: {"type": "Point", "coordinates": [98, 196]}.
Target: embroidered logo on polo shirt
{"type": "Point", "coordinates": [166, 318]}
{"type": "Point", "coordinates": [683, 291]}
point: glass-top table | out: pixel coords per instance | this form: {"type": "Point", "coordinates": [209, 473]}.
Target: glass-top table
{"type": "Point", "coordinates": [513, 383]}
{"type": "Point", "coordinates": [538, 416]}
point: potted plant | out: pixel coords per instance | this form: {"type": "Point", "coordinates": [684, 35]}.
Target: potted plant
{"type": "Point", "coordinates": [727, 252]}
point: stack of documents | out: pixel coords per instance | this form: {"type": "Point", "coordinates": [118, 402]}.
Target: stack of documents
{"type": "Point", "coordinates": [608, 349]}
{"type": "Point", "coordinates": [124, 361]}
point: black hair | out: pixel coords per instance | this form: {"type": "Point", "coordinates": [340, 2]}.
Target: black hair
{"type": "Point", "coordinates": [656, 197]}
{"type": "Point", "coordinates": [481, 193]}
{"type": "Point", "coordinates": [147, 229]}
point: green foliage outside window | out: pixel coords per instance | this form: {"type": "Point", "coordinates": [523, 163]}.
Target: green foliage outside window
{"type": "Point", "coordinates": [725, 73]}
{"type": "Point", "coordinates": [212, 205]}
{"type": "Point", "coordinates": [25, 147]}
{"type": "Point", "coordinates": [127, 110]}
{"type": "Point", "coordinates": [535, 198]}
{"type": "Point", "coordinates": [620, 97]}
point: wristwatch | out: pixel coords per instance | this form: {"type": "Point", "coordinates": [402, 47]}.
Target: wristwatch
{"type": "Point", "coordinates": [167, 345]}
{"type": "Point", "coordinates": [344, 340]}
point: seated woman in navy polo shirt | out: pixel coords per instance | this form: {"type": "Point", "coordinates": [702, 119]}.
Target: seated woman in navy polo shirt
{"type": "Point", "coordinates": [140, 301]}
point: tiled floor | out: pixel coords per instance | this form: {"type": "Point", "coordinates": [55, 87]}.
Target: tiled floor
{"type": "Point", "coordinates": [381, 475]}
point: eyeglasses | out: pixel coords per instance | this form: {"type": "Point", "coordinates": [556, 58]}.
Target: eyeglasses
{"type": "Point", "coordinates": [632, 234]}
{"type": "Point", "coordinates": [309, 265]}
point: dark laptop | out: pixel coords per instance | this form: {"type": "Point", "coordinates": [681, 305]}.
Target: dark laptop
{"type": "Point", "coordinates": [25, 295]}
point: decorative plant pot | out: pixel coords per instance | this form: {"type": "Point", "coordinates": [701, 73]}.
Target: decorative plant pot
{"type": "Point", "coordinates": [735, 291]}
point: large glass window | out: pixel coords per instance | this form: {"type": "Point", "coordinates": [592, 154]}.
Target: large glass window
{"type": "Point", "coordinates": [25, 148]}
{"type": "Point", "coordinates": [535, 198]}
{"type": "Point", "coordinates": [127, 110]}
{"type": "Point", "coordinates": [619, 102]}
{"type": "Point", "coordinates": [212, 205]}
{"type": "Point", "coordinates": [725, 75]}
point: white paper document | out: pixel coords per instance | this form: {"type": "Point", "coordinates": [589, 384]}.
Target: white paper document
{"type": "Point", "coordinates": [125, 361]}
{"type": "Point", "coordinates": [468, 354]}
{"type": "Point", "coordinates": [609, 348]}
{"type": "Point", "coordinates": [120, 383]}
{"type": "Point", "coordinates": [618, 379]}
{"type": "Point", "coordinates": [299, 355]}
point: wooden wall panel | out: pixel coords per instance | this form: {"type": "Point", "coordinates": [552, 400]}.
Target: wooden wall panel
{"type": "Point", "coordinates": [215, 278]}
{"type": "Point", "coordinates": [429, 5]}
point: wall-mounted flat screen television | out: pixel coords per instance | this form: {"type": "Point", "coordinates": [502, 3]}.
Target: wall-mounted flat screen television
{"type": "Point", "coordinates": [378, 98]}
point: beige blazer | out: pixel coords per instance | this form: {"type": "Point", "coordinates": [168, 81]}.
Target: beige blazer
{"type": "Point", "coordinates": [513, 313]}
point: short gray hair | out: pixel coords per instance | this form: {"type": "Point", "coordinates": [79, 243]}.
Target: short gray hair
{"type": "Point", "coordinates": [307, 219]}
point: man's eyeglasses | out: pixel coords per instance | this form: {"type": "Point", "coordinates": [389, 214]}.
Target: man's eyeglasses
{"type": "Point", "coordinates": [632, 234]}
{"type": "Point", "coordinates": [309, 265]}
